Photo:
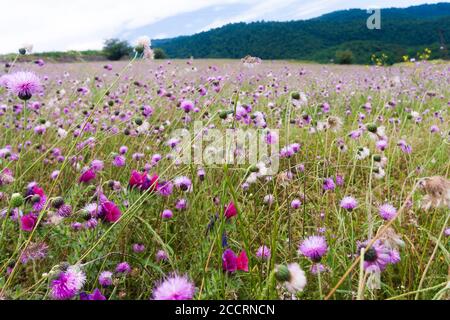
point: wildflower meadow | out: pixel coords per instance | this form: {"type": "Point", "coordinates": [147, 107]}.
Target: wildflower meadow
{"type": "Point", "coordinates": [224, 179]}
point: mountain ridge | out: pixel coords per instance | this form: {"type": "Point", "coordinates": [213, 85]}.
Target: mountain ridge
{"type": "Point", "coordinates": [404, 31]}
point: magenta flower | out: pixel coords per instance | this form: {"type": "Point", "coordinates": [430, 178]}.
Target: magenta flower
{"type": "Point", "coordinates": [314, 248]}
{"type": "Point", "coordinates": [232, 263]}
{"type": "Point", "coordinates": [230, 210]}
{"type": "Point", "coordinates": [27, 222]}
{"type": "Point", "coordinates": [68, 283]}
{"type": "Point", "coordinates": [174, 288]}
{"type": "Point", "coordinates": [110, 211]}
{"type": "Point", "coordinates": [87, 176]}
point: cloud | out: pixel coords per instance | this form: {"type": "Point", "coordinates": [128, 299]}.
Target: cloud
{"type": "Point", "coordinates": [83, 24]}
{"type": "Point", "coordinates": [64, 25]}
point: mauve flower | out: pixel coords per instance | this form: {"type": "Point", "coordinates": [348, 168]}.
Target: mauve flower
{"type": "Point", "coordinates": [123, 268]}
{"type": "Point", "coordinates": [263, 253]}
{"type": "Point", "coordinates": [161, 255]}
{"type": "Point", "coordinates": [97, 165]}
{"type": "Point", "coordinates": [349, 203]}
{"type": "Point", "coordinates": [68, 283]}
{"type": "Point", "coordinates": [187, 106]}
{"type": "Point", "coordinates": [167, 214]}
{"type": "Point", "coordinates": [138, 247]}
{"type": "Point", "coordinates": [175, 287]}
{"type": "Point", "coordinates": [87, 176]}
{"type": "Point", "coordinates": [296, 203]}
{"type": "Point", "coordinates": [181, 204]}
{"type": "Point", "coordinates": [165, 188]}
{"type": "Point", "coordinates": [23, 84]}
{"type": "Point", "coordinates": [387, 211]}
{"type": "Point", "coordinates": [110, 211]}
{"type": "Point", "coordinates": [105, 278]}
{"type": "Point", "coordinates": [376, 258]}
{"type": "Point", "coordinates": [184, 183]}
{"type": "Point", "coordinates": [328, 184]}
{"type": "Point", "coordinates": [119, 161]}
{"type": "Point", "coordinates": [230, 210]}
{"type": "Point", "coordinates": [314, 248]}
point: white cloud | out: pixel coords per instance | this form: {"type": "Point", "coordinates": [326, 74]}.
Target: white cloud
{"type": "Point", "coordinates": [64, 25]}
{"type": "Point", "coordinates": [83, 24]}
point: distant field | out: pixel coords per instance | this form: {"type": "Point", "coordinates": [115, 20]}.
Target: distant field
{"type": "Point", "coordinates": [95, 178]}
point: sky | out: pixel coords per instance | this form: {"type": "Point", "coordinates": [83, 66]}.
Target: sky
{"type": "Point", "coordinates": [56, 25]}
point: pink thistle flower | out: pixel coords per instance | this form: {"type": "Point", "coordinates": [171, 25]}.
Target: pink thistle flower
{"type": "Point", "coordinates": [314, 248]}
{"type": "Point", "coordinates": [387, 211]}
{"type": "Point", "coordinates": [23, 84]}
{"type": "Point", "coordinates": [174, 287]}
{"type": "Point", "coordinates": [349, 203]}
{"type": "Point", "coordinates": [263, 253]}
{"type": "Point", "coordinates": [68, 283]}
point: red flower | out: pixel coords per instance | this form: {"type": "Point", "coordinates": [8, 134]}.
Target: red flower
{"type": "Point", "coordinates": [230, 210]}
{"type": "Point", "coordinates": [242, 262]}
{"type": "Point", "coordinates": [110, 211]}
{"type": "Point", "coordinates": [232, 263]}
{"type": "Point", "coordinates": [27, 222]}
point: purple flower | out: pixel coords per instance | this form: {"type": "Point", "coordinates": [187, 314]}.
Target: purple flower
{"type": "Point", "coordinates": [183, 183]}
{"type": "Point", "coordinates": [229, 261]}
{"type": "Point", "coordinates": [28, 221]}
{"type": "Point", "coordinates": [165, 188]}
{"type": "Point", "coordinates": [376, 258]}
{"type": "Point", "coordinates": [161, 255]}
{"type": "Point", "coordinates": [387, 211]}
{"type": "Point", "coordinates": [97, 165]}
{"type": "Point", "coordinates": [349, 203]}
{"type": "Point", "coordinates": [105, 278]}
{"type": "Point", "coordinates": [68, 283]}
{"type": "Point", "coordinates": [314, 248]}
{"type": "Point", "coordinates": [296, 203]}
{"type": "Point", "coordinates": [263, 253]}
{"type": "Point", "coordinates": [187, 106]}
{"type": "Point", "coordinates": [181, 204]}
{"type": "Point", "coordinates": [123, 268]}
{"type": "Point", "coordinates": [174, 288]}
{"type": "Point", "coordinates": [138, 247]}
{"type": "Point", "coordinates": [328, 184]}
{"type": "Point", "coordinates": [95, 295]}
{"type": "Point", "coordinates": [23, 84]}
{"type": "Point", "coordinates": [119, 161]}
{"type": "Point", "coordinates": [167, 214]}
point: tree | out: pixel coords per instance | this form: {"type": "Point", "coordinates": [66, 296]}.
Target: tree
{"type": "Point", "coordinates": [344, 57]}
{"type": "Point", "coordinates": [115, 49]}
{"type": "Point", "coordinates": [159, 53]}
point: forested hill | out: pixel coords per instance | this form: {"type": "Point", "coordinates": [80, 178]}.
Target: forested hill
{"type": "Point", "coordinates": [403, 32]}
